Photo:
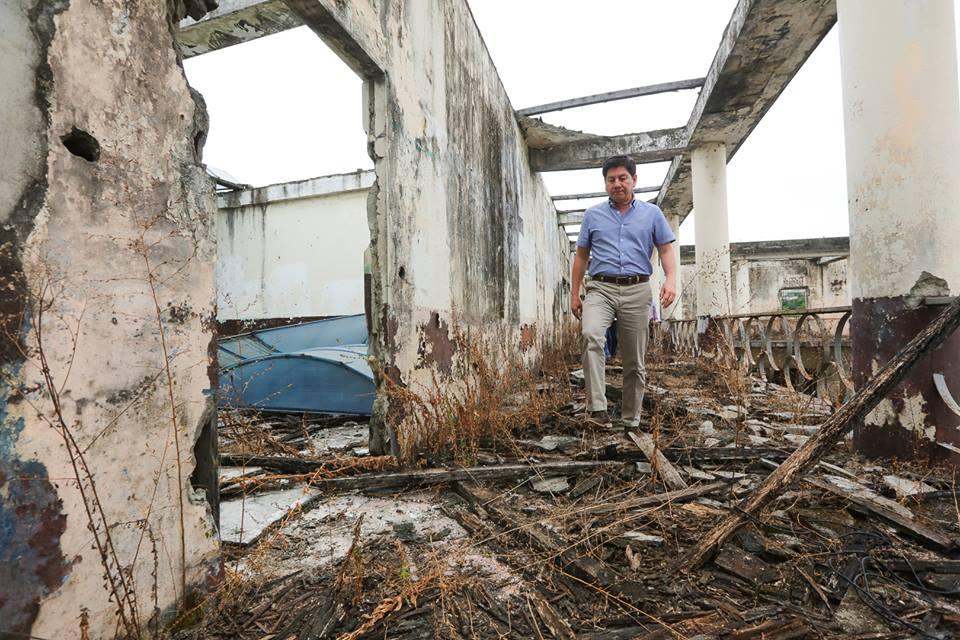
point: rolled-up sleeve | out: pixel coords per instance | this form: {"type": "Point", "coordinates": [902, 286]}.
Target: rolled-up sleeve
{"type": "Point", "coordinates": [662, 233]}
{"type": "Point", "coordinates": [583, 240]}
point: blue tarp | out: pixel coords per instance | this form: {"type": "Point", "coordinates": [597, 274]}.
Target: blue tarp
{"type": "Point", "coordinates": [315, 367]}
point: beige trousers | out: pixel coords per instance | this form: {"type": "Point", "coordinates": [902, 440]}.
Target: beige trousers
{"type": "Point", "coordinates": [630, 305]}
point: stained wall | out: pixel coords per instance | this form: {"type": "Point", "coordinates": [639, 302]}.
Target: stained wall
{"type": "Point", "coordinates": [463, 232]}
{"type": "Point", "coordinates": [293, 250]}
{"type": "Point", "coordinates": [107, 309]}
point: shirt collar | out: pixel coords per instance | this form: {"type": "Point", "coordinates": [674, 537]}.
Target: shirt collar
{"type": "Point", "coordinates": [633, 203]}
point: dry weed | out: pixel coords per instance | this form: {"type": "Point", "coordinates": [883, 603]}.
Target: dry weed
{"type": "Point", "coordinates": [492, 396]}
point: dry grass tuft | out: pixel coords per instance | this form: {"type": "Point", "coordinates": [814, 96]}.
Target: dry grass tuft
{"type": "Point", "coordinates": [492, 396]}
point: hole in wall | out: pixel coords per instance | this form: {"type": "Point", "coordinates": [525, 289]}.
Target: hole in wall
{"type": "Point", "coordinates": [402, 272]}
{"type": "Point", "coordinates": [82, 144]}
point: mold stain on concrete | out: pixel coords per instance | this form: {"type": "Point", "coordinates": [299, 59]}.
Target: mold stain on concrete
{"type": "Point", "coordinates": [436, 347]}
{"type": "Point", "coordinates": [31, 522]}
{"type": "Point", "coordinates": [528, 336]}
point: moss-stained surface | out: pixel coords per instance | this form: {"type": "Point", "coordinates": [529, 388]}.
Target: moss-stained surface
{"type": "Point", "coordinates": [463, 232]}
{"type": "Point", "coordinates": [105, 304]}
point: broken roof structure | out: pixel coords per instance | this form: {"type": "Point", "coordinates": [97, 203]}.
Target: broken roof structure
{"type": "Point", "coordinates": [107, 303]}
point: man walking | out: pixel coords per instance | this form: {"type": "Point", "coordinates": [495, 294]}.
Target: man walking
{"type": "Point", "coordinates": [617, 237]}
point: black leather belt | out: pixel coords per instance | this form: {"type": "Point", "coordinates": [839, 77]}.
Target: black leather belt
{"type": "Point", "coordinates": [621, 279]}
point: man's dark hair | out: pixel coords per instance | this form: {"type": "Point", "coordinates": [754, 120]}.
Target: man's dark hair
{"type": "Point", "coordinates": [620, 161]}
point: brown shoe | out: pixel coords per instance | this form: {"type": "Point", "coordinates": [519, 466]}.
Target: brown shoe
{"type": "Point", "coordinates": [599, 418]}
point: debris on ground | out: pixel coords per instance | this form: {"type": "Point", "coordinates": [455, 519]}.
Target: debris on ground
{"type": "Point", "coordinates": [570, 531]}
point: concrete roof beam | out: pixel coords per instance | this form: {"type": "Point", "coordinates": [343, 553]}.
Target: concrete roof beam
{"type": "Point", "coordinates": [570, 219]}
{"type": "Point", "coordinates": [234, 22]}
{"type": "Point", "coordinates": [763, 47]}
{"type": "Point", "coordinates": [611, 96]}
{"type": "Point", "coordinates": [644, 148]}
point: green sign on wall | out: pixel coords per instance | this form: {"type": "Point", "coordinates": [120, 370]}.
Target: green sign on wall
{"type": "Point", "coordinates": [793, 299]}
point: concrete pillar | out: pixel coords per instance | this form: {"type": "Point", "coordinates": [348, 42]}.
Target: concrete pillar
{"type": "Point", "coordinates": [742, 297]}
{"type": "Point", "coordinates": [902, 132]}
{"type": "Point", "coordinates": [675, 310]}
{"type": "Point", "coordinates": [712, 234]}
{"type": "Point", "coordinates": [656, 281]}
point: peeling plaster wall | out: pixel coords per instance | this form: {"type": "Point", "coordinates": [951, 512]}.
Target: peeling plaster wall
{"type": "Point", "coordinates": [91, 245]}
{"type": "Point", "coordinates": [757, 284]}
{"type": "Point", "coordinates": [826, 285]}
{"type": "Point", "coordinates": [463, 231]}
{"type": "Point", "coordinates": [294, 258]}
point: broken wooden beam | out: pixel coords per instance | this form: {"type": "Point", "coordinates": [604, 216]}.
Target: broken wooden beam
{"type": "Point", "coordinates": [691, 455]}
{"type": "Point", "coordinates": [832, 431]}
{"type": "Point", "coordinates": [654, 500]}
{"type": "Point", "coordinates": [901, 519]}
{"type": "Point", "coordinates": [661, 466]}
{"type": "Point", "coordinates": [420, 477]}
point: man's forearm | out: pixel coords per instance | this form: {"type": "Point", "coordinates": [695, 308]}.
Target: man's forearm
{"type": "Point", "coordinates": [579, 269]}
{"type": "Point", "coordinates": [668, 259]}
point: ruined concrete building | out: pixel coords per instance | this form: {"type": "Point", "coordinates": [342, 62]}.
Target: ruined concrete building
{"type": "Point", "coordinates": [108, 224]}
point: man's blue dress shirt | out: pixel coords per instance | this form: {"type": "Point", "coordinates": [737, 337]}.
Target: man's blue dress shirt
{"type": "Point", "coordinates": [621, 244]}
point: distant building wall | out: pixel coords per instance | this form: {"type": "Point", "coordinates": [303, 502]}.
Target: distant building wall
{"type": "Point", "coordinates": [293, 250]}
{"type": "Point", "coordinates": [765, 276]}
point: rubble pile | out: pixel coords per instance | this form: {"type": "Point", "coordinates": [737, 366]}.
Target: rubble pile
{"type": "Point", "coordinates": [576, 530]}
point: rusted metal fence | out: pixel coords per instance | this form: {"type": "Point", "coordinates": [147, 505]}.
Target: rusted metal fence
{"type": "Point", "coordinates": [807, 349]}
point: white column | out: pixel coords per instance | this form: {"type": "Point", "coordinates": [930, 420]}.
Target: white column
{"type": "Point", "coordinates": [898, 61]}
{"type": "Point", "coordinates": [656, 282]}
{"type": "Point", "coordinates": [675, 310]}
{"type": "Point", "coordinates": [712, 234]}
{"type": "Point", "coordinates": [742, 296]}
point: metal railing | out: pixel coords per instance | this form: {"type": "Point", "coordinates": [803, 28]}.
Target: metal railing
{"type": "Point", "coordinates": [808, 347]}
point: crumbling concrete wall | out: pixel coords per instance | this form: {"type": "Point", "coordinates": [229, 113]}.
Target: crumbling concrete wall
{"type": "Point", "coordinates": [293, 250]}
{"type": "Point", "coordinates": [106, 309]}
{"type": "Point", "coordinates": [757, 284]}
{"type": "Point", "coordinates": [463, 232]}
{"type": "Point", "coordinates": [825, 284]}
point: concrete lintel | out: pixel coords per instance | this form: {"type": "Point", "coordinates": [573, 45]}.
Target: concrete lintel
{"type": "Point", "coordinates": [234, 22]}
{"type": "Point", "coordinates": [651, 146]}
{"type": "Point", "coordinates": [763, 46]}
{"type": "Point", "coordinates": [603, 194]}
{"type": "Point", "coordinates": [611, 96]}
{"type": "Point", "coordinates": [807, 248]}
{"type": "Point", "coordinates": [310, 188]}
{"type": "Point", "coordinates": [353, 35]}
{"type": "Point", "coordinates": [566, 219]}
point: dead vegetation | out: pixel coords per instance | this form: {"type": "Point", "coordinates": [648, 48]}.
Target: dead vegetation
{"type": "Point", "coordinates": [560, 532]}
{"type": "Point", "coordinates": [483, 401]}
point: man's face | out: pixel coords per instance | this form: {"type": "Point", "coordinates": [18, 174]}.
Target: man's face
{"type": "Point", "coordinates": [620, 185]}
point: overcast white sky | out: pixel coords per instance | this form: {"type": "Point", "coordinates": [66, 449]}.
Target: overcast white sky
{"type": "Point", "coordinates": [285, 107]}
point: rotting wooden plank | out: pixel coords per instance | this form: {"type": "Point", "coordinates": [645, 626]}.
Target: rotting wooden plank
{"type": "Point", "coordinates": [421, 477]}
{"type": "Point", "coordinates": [928, 537]}
{"type": "Point", "coordinates": [559, 627]}
{"type": "Point", "coordinates": [691, 455]}
{"type": "Point", "coordinates": [661, 466]}
{"type": "Point", "coordinates": [640, 502]}
{"type": "Point", "coordinates": [831, 432]}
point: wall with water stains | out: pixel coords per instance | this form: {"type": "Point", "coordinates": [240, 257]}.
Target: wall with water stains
{"type": "Point", "coordinates": [293, 250]}
{"type": "Point", "coordinates": [106, 309]}
{"type": "Point", "coordinates": [757, 285]}
{"type": "Point", "coordinates": [464, 234]}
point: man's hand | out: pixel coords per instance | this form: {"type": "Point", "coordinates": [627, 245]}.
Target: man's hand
{"type": "Point", "coordinates": [668, 293]}
{"type": "Point", "coordinates": [576, 307]}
